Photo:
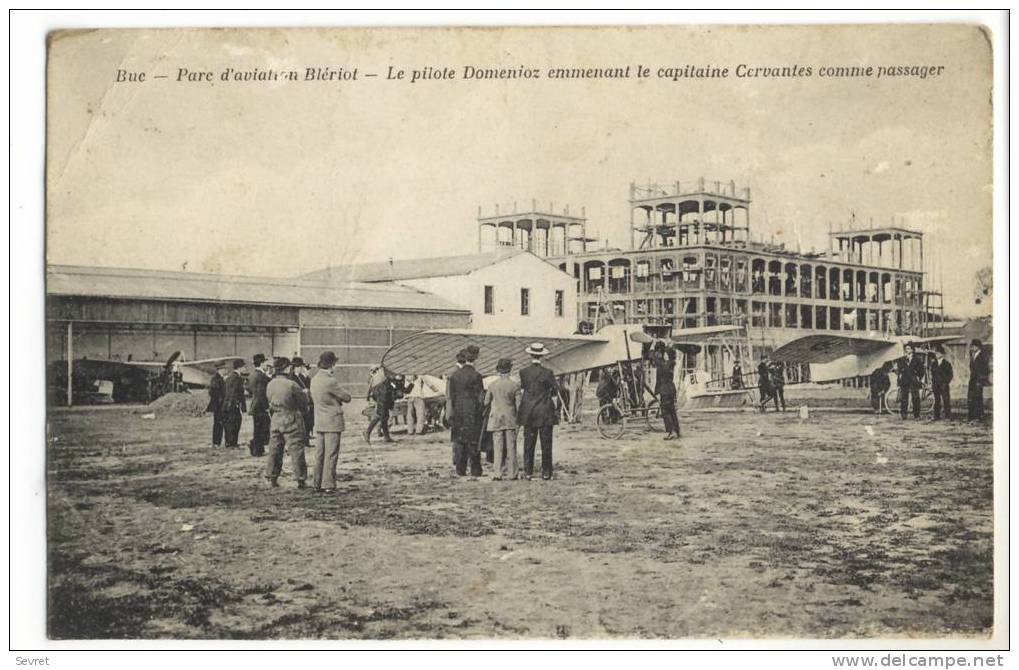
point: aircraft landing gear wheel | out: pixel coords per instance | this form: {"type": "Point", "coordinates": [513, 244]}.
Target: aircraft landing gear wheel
{"type": "Point", "coordinates": [611, 422]}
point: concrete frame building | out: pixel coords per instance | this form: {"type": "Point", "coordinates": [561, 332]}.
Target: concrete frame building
{"type": "Point", "coordinates": [692, 262]}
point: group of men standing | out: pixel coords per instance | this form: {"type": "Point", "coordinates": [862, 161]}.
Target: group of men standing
{"type": "Point", "coordinates": [500, 410]}
{"type": "Point", "coordinates": [911, 371]}
{"type": "Point", "coordinates": [287, 408]}
{"type": "Point", "coordinates": [770, 381]}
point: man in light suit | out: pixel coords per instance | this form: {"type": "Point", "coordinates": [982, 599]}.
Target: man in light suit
{"type": "Point", "coordinates": [538, 412]}
{"type": "Point", "coordinates": [502, 398]}
{"type": "Point", "coordinates": [328, 397]}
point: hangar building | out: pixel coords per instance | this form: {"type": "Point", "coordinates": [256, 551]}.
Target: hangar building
{"type": "Point", "coordinates": [142, 315]}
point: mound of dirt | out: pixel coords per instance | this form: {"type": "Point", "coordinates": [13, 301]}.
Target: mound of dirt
{"type": "Point", "coordinates": [181, 404]}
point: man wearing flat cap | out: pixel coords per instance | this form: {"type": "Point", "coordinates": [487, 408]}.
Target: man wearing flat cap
{"type": "Point", "coordinates": [465, 396]}
{"type": "Point", "coordinates": [538, 412]}
{"type": "Point", "coordinates": [234, 403]}
{"type": "Point", "coordinates": [259, 409]}
{"type": "Point", "coordinates": [287, 407]}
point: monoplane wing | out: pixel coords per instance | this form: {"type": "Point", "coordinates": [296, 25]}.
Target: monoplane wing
{"type": "Point", "coordinates": [433, 352]}
{"type": "Point", "coordinates": [820, 349]}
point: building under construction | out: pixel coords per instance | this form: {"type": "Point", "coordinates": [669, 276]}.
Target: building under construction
{"type": "Point", "coordinates": [693, 262]}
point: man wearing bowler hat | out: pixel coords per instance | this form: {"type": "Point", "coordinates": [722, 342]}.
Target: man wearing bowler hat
{"type": "Point", "coordinates": [259, 409]}
{"type": "Point", "coordinates": [537, 410]}
{"type": "Point", "coordinates": [234, 404]}
{"type": "Point", "coordinates": [287, 406]}
{"type": "Point", "coordinates": [465, 396]}
{"type": "Point", "coordinates": [328, 396]}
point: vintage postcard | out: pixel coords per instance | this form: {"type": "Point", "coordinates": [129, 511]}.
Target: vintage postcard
{"type": "Point", "coordinates": [520, 333]}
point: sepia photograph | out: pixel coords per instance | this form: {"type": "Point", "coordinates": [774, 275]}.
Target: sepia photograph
{"type": "Point", "coordinates": [523, 333]}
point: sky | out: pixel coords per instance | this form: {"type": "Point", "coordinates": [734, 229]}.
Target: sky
{"type": "Point", "coordinates": [280, 178]}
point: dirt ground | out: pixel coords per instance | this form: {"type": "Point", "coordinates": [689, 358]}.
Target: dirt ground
{"type": "Point", "coordinates": [843, 525]}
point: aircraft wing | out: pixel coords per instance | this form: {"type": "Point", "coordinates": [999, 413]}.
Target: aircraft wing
{"type": "Point", "coordinates": [433, 352]}
{"type": "Point", "coordinates": [820, 349]}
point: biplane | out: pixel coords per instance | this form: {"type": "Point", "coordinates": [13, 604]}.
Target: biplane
{"type": "Point", "coordinates": [102, 380]}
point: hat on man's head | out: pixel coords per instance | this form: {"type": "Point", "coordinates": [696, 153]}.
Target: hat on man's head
{"type": "Point", "coordinates": [504, 365]}
{"type": "Point", "coordinates": [280, 363]}
{"type": "Point", "coordinates": [238, 363]}
{"type": "Point", "coordinates": [976, 343]}
{"type": "Point", "coordinates": [536, 349]}
{"type": "Point", "coordinates": [461, 356]}
{"type": "Point", "coordinates": [258, 359]}
{"type": "Point", "coordinates": [297, 361]}
{"type": "Point", "coordinates": [326, 359]}
{"type": "Point", "coordinates": [472, 352]}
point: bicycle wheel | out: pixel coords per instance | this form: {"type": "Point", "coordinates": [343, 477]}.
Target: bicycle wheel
{"type": "Point", "coordinates": [611, 422]}
{"type": "Point", "coordinates": [892, 401]}
{"type": "Point", "coordinates": [653, 417]}
{"type": "Point", "coordinates": [927, 400]}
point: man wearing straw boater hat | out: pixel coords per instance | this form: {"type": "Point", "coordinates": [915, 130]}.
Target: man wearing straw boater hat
{"type": "Point", "coordinates": [537, 410]}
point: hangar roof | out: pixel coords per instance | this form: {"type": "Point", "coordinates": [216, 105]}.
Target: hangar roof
{"type": "Point", "coordinates": [128, 283]}
{"type": "Point", "coordinates": [415, 268]}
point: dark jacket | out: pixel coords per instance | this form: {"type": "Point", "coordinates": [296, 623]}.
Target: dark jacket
{"type": "Point", "coordinates": [665, 367]}
{"type": "Point", "coordinates": [911, 372]}
{"type": "Point", "coordinates": [879, 382]}
{"type": "Point", "coordinates": [384, 395]}
{"type": "Point", "coordinates": [980, 368]}
{"type": "Point", "coordinates": [607, 390]}
{"type": "Point", "coordinates": [233, 393]}
{"type": "Point", "coordinates": [537, 407]}
{"type": "Point", "coordinates": [259, 403]}
{"type": "Point", "coordinates": [763, 376]}
{"type": "Point", "coordinates": [777, 375]}
{"type": "Point", "coordinates": [942, 374]}
{"type": "Point", "coordinates": [737, 376]}
{"type": "Point", "coordinates": [216, 386]}
{"type": "Point", "coordinates": [465, 398]}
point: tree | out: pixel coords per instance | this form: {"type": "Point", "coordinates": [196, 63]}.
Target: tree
{"type": "Point", "coordinates": [983, 285]}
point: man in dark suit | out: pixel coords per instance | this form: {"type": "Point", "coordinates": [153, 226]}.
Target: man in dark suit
{"type": "Point", "coordinates": [234, 404]}
{"type": "Point", "coordinates": [664, 361]}
{"type": "Point", "coordinates": [941, 377]}
{"type": "Point", "coordinates": [979, 377]}
{"type": "Point", "coordinates": [215, 406]}
{"type": "Point", "coordinates": [465, 399]}
{"type": "Point", "coordinates": [299, 375]}
{"type": "Point", "coordinates": [537, 410]}
{"type": "Point", "coordinates": [911, 372]}
{"type": "Point", "coordinates": [259, 409]}
{"type": "Point", "coordinates": [764, 383]}
{"type": "Point", "coordinates": [777, 377]}
{"type": "Point", "coordinates": [879, 385]}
